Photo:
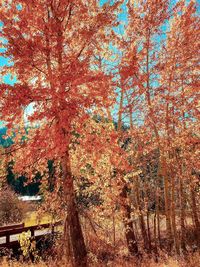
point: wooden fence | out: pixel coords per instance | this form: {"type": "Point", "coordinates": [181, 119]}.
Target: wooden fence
{"type": "Point", "coordinates": [10, 230]}
{"type": "Point", "coordinates": [11, 226]}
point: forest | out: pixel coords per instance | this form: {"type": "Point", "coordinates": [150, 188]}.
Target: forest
{"type": "Point", "coordinates": [99, 115]}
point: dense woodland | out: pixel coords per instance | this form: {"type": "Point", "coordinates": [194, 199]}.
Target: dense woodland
{"type": "Point", "coordinates": [109, 94]}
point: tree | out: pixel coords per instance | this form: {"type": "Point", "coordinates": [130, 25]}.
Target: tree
{"type": "Point", "coordinates": [157, 79]}
{"type": "Point", "coordinates": [51, 45]}
{"type": "Point", "coordinates": [178, 67]}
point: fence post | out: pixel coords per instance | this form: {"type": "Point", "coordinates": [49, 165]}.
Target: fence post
{"type": "Point", "coordinates": [7, 238]}
{"type": "Point", "coordinates": [32, 232]}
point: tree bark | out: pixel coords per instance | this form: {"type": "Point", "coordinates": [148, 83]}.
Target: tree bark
{"type": "Point", "coordinates": [126, 208]}
{"type": "Point", "coordinates": [173, 214]}
{"type": "Point", "coordinates": [166, 197]}
{"type": "Point", "coordinates": [194, 207]}
{"type": "Point", "coordinates": [149, 231]}
{"type": "Point", "coordinates": [129, 230]}
{"type": "Point", "coordinates": [157, 213]}
{"type": "Point", "coordinates": [79, 252]}
{"type": "Point", "coordinates": [182, 214]}
{"type": "Point", "coordinates": [141, 217]}
{"type": "Point", "coordinates": [182, 203]}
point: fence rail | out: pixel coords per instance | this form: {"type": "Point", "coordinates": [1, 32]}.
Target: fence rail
{"type": "Point", "coordinates": [11, 226]}
{"type": "Point", "coordinates": [10, 230]}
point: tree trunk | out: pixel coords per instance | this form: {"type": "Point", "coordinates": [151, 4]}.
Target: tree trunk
{"type": "Point", "coordinates": [194, 207]}
{"type": "Point", "coordinates": [149, 231]}
{"type": "Point", "coordinates": [129, 230]}
{"type": "Point", "coordinates": [157, 213]}
{"type": "Point", "coordinates": [182, 203]}
{"type": "Point", "coordinates": [173, 214]}
{"type": "Point", "coordinates": [148, 216]}
{"type": "Point", "coordinates": [126, 209]}
{"type": "Point", "coordinates": [79, 252]}
{"type": "Point", "coordinates": [141, 217]}
{"type": "Point", "coordinates": [167, 203]}
{"type": "Point", "coordinates": [195, 212]}
{"type": "Point", "coordinates": [155, 233]}
{"type": "Point", "coordinates": [182, 214]}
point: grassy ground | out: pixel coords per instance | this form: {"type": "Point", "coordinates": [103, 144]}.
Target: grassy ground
{"type": "Point", "coordinates": [192, 260]}
{"type": "Point", "coordinates": [32, 218]}
{"type": "Point", "coordinates": [119, 260]}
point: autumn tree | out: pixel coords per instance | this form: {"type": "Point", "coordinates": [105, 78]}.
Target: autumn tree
{"type": "Point", "coordinates": [178, 67]}
{"type": "Point", "coordinates": [118, 108]}
{"type": "Point", "coordinates": [154, 70]}
{"type": "Point", "coordinates": [51, 45]}
{"type": "Point", "coordinates": [137, 72]}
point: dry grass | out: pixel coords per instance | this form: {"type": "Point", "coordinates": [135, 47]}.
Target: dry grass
{"type": "Point", "coordinates": [33, 218]}
{"type": "Point", "coordinates": [102, 253]}
{"type": "Point", "coordinates": [192, 260]}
